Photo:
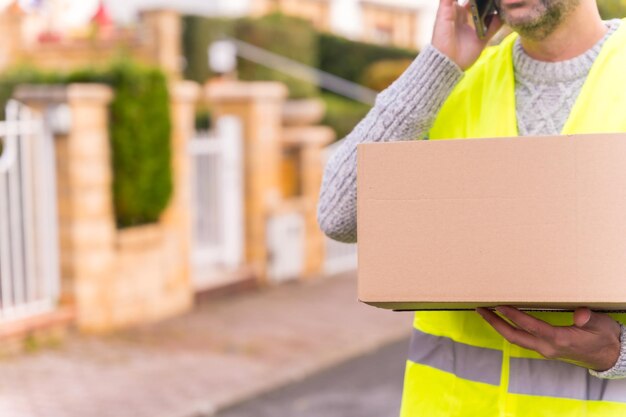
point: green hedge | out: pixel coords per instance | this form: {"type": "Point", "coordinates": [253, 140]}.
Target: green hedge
{"type": "Point", "coordinates": [283, 35]}
{"type": "Point", "coordinates": [140, 130]}
{"type": "Point", "coordinates": [349, 59]}
{"type": "Point", "coordinates": [198, 33]}
{"type": "Point", "coordinates": [382, 74]}
{"type": "Point", "coordinates": [287, 36]}
{"type": "Point", "coordinates": [296, 39]}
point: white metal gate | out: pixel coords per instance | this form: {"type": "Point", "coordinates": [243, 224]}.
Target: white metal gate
{"type": "Point", "coordinates": [29, 266]}
{"type": "Point", "coordinates": [217, 202]}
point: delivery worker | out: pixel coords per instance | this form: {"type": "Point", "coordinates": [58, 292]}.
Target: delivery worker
{"type": "Point", "coordinates": [561, 71]}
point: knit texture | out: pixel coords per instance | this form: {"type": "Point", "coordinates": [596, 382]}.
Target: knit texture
{"type": "Point", "coordinates": [545, 94]}
{"type": "Point", "coordinates": [404, 111]}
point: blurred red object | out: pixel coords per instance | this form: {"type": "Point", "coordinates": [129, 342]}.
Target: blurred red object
{"type": "Point", "coordinates": [49, 37]}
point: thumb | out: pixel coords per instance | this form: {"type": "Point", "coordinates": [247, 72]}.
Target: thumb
{"type": "Point", "coordinates": [587, 319]}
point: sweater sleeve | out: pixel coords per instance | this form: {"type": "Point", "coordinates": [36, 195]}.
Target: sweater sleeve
{"type": "Point", "coordinates": [619, 369]}
{"type": "Point", "coordinates": [406, 110]}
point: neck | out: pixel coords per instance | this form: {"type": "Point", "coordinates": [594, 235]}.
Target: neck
{"type": "Point", "coordinates": [573, 37]}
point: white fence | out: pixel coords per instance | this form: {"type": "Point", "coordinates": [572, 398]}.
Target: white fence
{"type": "Point", "coordinates": [339, 257]}
{"type": "Point", "coordinates": [29, 269]}
{"type": "Point", "coordinates": [217, 201]}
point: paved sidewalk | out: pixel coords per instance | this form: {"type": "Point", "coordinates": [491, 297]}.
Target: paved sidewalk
{"type": "Point", "coordinates": [222, 353]}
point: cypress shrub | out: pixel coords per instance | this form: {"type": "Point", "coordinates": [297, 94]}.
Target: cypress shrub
{"type": "Point", "coordinates": [140, 143]}
{"type": "Point", "coordinates": [140, 130]}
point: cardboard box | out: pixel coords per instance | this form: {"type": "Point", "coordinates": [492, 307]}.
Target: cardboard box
{"type": "Point", "coordinates": [534, 222]}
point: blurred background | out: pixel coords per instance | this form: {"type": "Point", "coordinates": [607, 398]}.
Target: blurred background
{"type": "Point", "coordinates": [160, 165]}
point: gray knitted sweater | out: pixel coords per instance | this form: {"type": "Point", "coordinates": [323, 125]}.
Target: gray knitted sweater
{"type": "Point", "coordinates": [545, 94]}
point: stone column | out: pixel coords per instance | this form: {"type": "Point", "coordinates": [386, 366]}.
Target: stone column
{"type": "Point", "coordinates": [176, 219]}
{"type": "Point", "coordinates": [259, 106]}
{"type": "Point", "coordinates": [86, 218]}
{"type": "Point", "coordinates": [311, 140]}
{"type": "Point", "coordinates": [11, 36]}
{"type": "Point", "coordinates": [163, 29]}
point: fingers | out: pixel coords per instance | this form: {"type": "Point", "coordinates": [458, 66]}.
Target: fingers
{"type": "Point", "coordinates": [527, 322]}
{"type": "Point", "coordinates": [445, 6]}
{"type": "Point", "coordinates": [463, 14]}
{"type": "Point", "coordinates": [447, 11]}
{"type": "Point", "coordinates": [510, 333]}
{"type": "Point", "coordinates": [593, 341]}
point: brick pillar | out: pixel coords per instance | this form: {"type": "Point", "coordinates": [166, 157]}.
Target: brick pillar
{"type": "Point", "coordinates": [163, 30]}
{"type": "Point", "coordinates": [86, 218]}
{"type": "Point", "coordinates": [259, 106]}
{"type": "Point", "coordinates": [312, 173]}
{"type": "Point", "coordinates": [11, 37]}
{"type": "Point", "coordinates": [177, 217]}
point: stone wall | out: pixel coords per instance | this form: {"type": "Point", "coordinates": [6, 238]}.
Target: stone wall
{"type": "Point", "coordinates": [156, 41]}
{"type": "Point", "coordinates": [390, 25]}
{"type": "Point", "coordinates": [115, 278]}
{"type": "Point", "coordinates": [315, 11]}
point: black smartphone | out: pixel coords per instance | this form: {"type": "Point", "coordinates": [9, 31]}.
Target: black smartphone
{"type": "Point", "coordinates": [482, 13]}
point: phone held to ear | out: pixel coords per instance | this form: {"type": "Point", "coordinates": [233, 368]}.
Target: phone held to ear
{"type": "Point", "coordinates": [483, 12]}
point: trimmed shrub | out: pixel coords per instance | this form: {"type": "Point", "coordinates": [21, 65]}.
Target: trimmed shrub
{"type": "Point", "coordinates": [283, 35]}
{"type": "Point", "coordinates": [381, 74]}
{"type": "Point", "coordinates": [140, 141]}
{"type": "Point", "coordinates": [349, 59]}
{"type": "Point", "coordinates": [290, 37]}
{"type": "Point", "coordinates": [198, 33]}
{"type": "Point", "coordinates": [23, 75]}
{"type": "Point", "coordinates": [140, 130]}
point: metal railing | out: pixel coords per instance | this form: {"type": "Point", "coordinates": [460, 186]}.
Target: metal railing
{"type": "Point", "coordinates": [304, 72]}
{"type": "Point", "coordinates": [29, 258]}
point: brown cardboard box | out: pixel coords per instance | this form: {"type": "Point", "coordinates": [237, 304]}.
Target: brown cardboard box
{"type": "Point", "coordinates": [534, 222]}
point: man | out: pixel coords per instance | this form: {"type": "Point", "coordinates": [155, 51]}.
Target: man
{"type": "Point", "coordinates": [561, 72]}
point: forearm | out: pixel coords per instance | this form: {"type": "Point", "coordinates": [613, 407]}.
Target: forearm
{"type": "Point", "coordinates": [406, 110]}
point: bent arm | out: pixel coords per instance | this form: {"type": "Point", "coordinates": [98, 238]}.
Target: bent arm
{"type": "Point", "coordinates": [406, 110]}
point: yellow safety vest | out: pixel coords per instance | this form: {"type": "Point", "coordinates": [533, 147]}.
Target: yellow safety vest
{"type": "Point", "coordinates": [458, 366]}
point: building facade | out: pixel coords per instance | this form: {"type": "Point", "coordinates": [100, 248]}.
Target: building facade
{"type": "Point", "coordinates": [318, 12]}
{"type": "Point", "coordinates": [400, 23]}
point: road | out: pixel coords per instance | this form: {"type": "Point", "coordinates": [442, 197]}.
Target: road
{"type": "Point", "coordinates": [369, 386]}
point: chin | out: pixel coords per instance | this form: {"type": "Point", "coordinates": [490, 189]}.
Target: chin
{"type": "Point", "coordinates": [518, 16]}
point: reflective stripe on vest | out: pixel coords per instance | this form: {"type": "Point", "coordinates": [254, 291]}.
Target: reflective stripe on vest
{"type": "Point", "coordinates": [540, 377]}
{"type": "Point", "coordinates": [465, 361]}
{"type": "Point", "coordinates": [452, 365]}
{"type": "Point", "coordinates": [562, 380]}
